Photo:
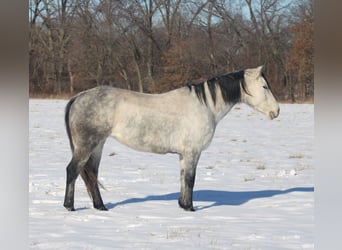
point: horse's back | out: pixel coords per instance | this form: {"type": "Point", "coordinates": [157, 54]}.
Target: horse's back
{"type": "Point", "coordinates": [150, 122]}
{"type": "Point", "coordinates": [160, 123]}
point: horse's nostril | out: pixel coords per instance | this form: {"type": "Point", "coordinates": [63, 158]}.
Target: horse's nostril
{"type": "Point", "coordinates": [272, 115]}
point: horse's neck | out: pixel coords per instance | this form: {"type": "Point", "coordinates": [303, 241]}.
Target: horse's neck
{"type": "Point", "coordinates": [220, 110]}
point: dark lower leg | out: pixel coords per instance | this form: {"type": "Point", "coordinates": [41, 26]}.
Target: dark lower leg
{"type": "Point", "coordinates": [187, 185]}
{"type": "Point", "coordinates": [70, 187]}
{"type": "Point", "coordinates": [69, 197]}
{"type": "Point", "coordinates": [89, 176]}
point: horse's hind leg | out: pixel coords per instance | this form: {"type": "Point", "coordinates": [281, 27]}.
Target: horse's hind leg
{"type": "Point", "coordinates": [89, 175]}
{"type": "Point", "coordinates": [80, 157]}
{"type": "Point", "coordinates": [73, 170]}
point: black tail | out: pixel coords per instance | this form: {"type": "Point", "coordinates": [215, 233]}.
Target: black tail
{"type": "Point", "coordinates": [67, 124]}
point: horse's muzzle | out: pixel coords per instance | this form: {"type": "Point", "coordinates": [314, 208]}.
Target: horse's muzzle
{"type": "Point", "coordinates": [273, 115]}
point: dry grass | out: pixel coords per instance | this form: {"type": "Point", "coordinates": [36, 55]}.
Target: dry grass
{"type": "Point", "coordinates": [296, 156]}
{"type": "Point", "coordinates": [261, 167]}
{"type": "Point", "coordinates": [249, 178]}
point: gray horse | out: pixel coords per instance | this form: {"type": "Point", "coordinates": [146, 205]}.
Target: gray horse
{"type": "Point", "coordinates": [181, 121]}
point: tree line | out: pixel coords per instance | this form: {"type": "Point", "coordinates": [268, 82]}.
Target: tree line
{"type": "Point", "coordinates": [157, 45]}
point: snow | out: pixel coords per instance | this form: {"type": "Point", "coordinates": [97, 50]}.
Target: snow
{"type": "Point", "coordinates": [254, 188]}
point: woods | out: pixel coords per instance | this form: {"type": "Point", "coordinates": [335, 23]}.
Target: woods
{"type": "Point", "coordinates": [157, 45]}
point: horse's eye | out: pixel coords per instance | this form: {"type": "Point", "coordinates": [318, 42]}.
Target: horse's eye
{"type": "Point", "coordinates": [265, 87]}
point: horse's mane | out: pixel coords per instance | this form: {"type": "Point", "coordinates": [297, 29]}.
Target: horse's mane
{"type": "Point", "coordinates": [229, 84]}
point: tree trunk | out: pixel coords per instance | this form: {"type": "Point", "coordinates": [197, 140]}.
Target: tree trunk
{"type": "Point", "coordinates": [137, 70]}
{"type": "Point", "coordinates": [71, 78]}
{"type": "Point", "coordinates": [150, 45]}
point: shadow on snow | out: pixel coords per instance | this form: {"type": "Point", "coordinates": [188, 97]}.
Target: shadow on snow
{"type": "Point", "coordinates": [218, 198]}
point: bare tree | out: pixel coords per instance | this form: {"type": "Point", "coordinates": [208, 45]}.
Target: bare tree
{"type": "Point", "coordinates": [271, 37]}
{"type": "Point", "coordinates": [169, 11]}
{"type": "Point", "coordinates": [54, 38]}
{"type": "Point", "coordinates": [300, 58]}
{"type": "Point", "coordinates": [142, 13]}
{"type": "Point", "coordinates": [157, 45]}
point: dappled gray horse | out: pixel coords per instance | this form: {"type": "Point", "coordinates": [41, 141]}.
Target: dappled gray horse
{"type": "Point", "coordinates": [181, 121]}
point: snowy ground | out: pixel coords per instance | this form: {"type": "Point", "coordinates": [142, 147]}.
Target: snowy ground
{"type": "Point", "coordinates": [254, 188]}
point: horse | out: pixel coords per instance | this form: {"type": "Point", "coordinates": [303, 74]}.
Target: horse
{"type": "Point", "coordinates": [181, 121]}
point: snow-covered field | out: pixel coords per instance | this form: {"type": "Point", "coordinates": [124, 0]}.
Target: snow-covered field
{"type": "Point", "coordinates": [254, 188]}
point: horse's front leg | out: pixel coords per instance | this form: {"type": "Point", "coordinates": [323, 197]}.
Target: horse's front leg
{"type": "Point", "coordinates": [188, 163]}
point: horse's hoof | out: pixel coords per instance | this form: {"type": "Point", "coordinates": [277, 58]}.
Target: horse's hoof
{"type": "Point", "coordinates": [191, 209]}
{"type": "Point", "coordinates": [101, 208]}
{"type": "Point", "coordinates": [186, 207]}
{"type": "Point", "coordinates": [70, 208]}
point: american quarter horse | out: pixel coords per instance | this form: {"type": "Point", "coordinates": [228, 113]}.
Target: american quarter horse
{"type": "Point", "coordinates": [181, 121]}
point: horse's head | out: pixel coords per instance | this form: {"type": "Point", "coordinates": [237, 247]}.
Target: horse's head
{"type": "Point", "coordinates": [257, 93]}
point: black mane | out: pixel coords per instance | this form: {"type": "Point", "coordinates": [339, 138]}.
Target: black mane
{"type": "Point", "coordinates": [229, 85]}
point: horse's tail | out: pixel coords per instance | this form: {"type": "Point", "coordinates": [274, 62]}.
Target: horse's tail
{"type": "Point", "coordinates": [67, 117]}
{"type": "Point", "coordinates": [67, 121]}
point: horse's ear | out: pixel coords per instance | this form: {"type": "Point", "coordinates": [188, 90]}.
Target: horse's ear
{"type": "Point", "coordinates": [261, 69]}
{"type": "Point", "coordinates": [255, 72]}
